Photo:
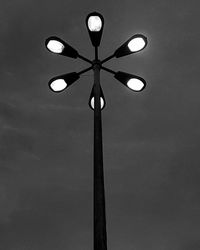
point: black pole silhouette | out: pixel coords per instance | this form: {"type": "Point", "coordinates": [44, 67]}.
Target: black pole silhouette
{"type": "Point", "coordinates": [100, 238]}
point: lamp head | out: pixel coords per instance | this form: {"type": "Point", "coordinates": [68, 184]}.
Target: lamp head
{"type": "Point", "coordinates": [95, 23]}
{"type": "Point", "coordinates": [59, 83]}
{"type": "Point", "coordinates": [58, 46]}
{"type": "Point", "coordinates": [102, 99]}
{"type": "Point", "coordinates": [134, 44]}
{"type": "Point", "coordinates": [133, 82]}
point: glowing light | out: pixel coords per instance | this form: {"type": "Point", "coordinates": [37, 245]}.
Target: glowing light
{"type": "Point", "coordinates": [58, 85]}
{"type": "Point", "coordinates": [55, 46]}
{"type": "Point", "coordinates": [92, 102]}
{"type": "Point", "coordinates": [136, 44]}
{"type": "Point", "coordinates": [94, 23]}
{"type": "Point", "coordinates": [135, 84]}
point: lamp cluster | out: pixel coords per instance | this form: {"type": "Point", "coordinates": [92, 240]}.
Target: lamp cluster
{"type": "Point", "coordinates": [95, 24]}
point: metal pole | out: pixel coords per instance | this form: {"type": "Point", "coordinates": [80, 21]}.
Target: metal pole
{"type": "Point", "coordinates": [100, 239]}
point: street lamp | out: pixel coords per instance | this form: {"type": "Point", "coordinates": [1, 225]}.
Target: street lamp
{"type": "Point", "coordinates": [58, 46]}
{"type": "Point", "coordinates": [102, 99]}
{"type": "Point", "coordinates": [95, 24]}
{"type": "Point", "coordinates": [59, 83]}
{"type": "Point", "coordinates": [134, 44]}
{"type": "Point", "coordinates": [135, 83]}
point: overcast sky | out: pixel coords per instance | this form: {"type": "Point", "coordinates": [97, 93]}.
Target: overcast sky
{"type": "Point", "coordinates": [151, 139]}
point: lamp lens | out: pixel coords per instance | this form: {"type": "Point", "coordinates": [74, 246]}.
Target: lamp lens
{"type": "Point", "coordinates": [135, 84]}
{"type": "Point", "coordinates": [136, 44]}
{"type": "Point", "coordinates": [92, 102]}
{"type": "Point", "coordinates": [58, 85]}
{"type": "Point", "coordinates": [55, 46]}
{"type": "Point", "coordinates": [94, 23]}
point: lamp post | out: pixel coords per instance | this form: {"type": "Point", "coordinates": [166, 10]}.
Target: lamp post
{"type": "Point", "coordinates": [95, 24]}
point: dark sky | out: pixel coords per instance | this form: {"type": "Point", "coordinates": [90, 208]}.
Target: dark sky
{"type": "Point", "coordinates": [151, 139]}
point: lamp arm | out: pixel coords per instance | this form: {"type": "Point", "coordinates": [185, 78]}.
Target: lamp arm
{"type": "Point", "coordinates": [108, 70]}
{"type": "Point", "coordinates": [108, 58]}
{"type": "Point", "coordinates": [84, 70]}
{"type": "Point", "coordinates": [84, 59]}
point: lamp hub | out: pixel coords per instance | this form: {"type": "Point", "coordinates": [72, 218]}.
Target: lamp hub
{"type": "Point", "coordinates": [96, 64]}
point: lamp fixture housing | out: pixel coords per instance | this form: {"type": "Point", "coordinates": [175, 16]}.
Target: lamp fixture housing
{"type": "Point", "coordinates": [133, 82]}
{"type": "Point", "coordinates": [56, 45]}
{"type": "Point", "coordinates": [133, 45]}
{"type": "Point", "coordinates": [95, 24]}
{"type": "Point", "coordinates": [59, 83]}
{"type": "Point", "coordinates": [102, 99]}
